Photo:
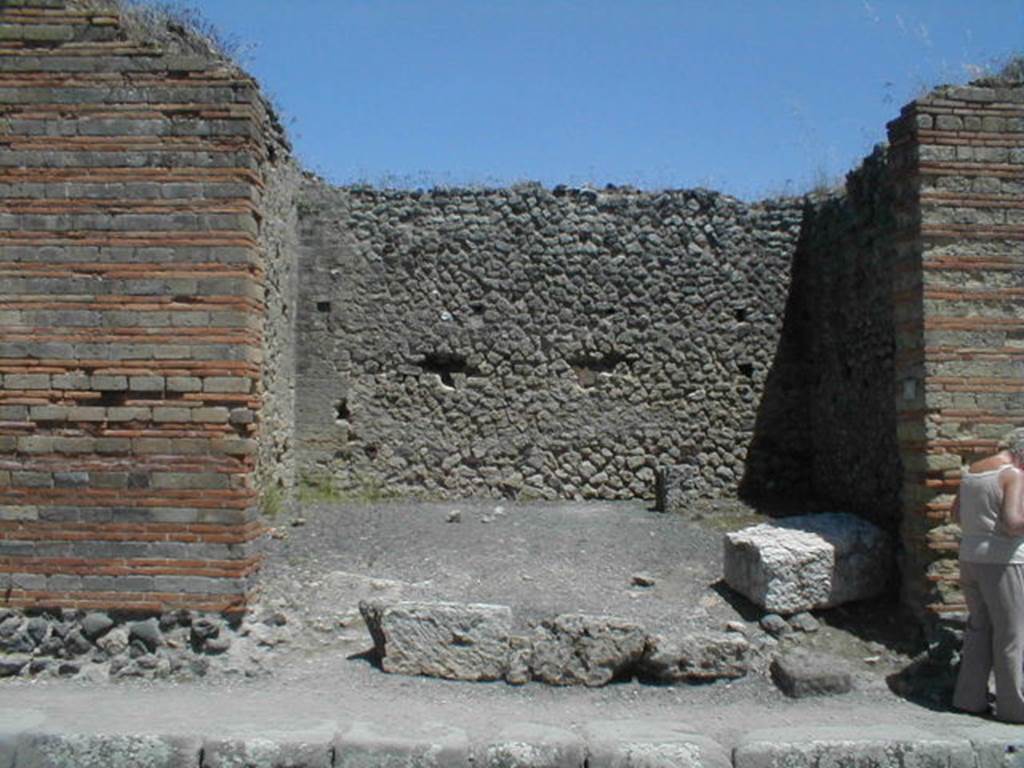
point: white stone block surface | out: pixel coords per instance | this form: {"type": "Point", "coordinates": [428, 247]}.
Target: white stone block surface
{"type": "Point", "coordinates": [811, 561]}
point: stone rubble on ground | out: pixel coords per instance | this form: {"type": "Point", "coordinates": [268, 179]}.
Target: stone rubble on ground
{"type": "Point", "coordinates": [800, 673]}
{"type": "Point", "coordinates": [808, 562]}
{"type": "Point", "coordinates": [178, 645]}
{"type": "Point", "coordinates": [449, 640]}
{"type": "Point", "coordinates": [804, 622]}
{"type": "Point", "coordinates": [476, 642]}
{"type": "Point", "coordinates": [774, 625]}
{"type": "Point", "coordinates": [698, 657]}
{"type": "Point", "coordinates": [643, 579]}
{"type": "Point", "coordinates": [577, 649]}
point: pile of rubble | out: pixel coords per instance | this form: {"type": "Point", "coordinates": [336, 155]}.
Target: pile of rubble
{"type": "Point", "coordinates": [177, 645]}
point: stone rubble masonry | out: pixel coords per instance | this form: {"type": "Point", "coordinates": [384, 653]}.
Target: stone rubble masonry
{"type": "Point", "coordinates": [539, 343]}
{"type": "Point", "coordinates": [145, 331]}
{"type": "Point", "coordinates": [842, 281]}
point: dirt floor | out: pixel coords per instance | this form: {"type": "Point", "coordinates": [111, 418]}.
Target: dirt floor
{"type": "Point", "coordinates": [541, 559]}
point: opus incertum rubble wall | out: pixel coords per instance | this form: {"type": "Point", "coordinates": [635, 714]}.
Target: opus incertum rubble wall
{"type": "Point", "coordinates": [842, 297]}
{"type": "Point", "coordinates": [186, 321]}
{"type": "Point", "coordinates": [537, 343]}
{"type": "Point", "coordinates": [145, 313]}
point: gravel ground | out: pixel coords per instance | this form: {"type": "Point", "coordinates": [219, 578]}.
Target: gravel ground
{"type": "Point", "coordinates": [539, 559]}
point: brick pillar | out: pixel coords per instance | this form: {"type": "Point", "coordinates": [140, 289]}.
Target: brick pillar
{"type": "Point", "coordinates": [131, 309]}
{"type": "Point", "coordinates": [959, 299]}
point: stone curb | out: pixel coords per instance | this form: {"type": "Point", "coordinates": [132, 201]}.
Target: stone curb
{"type": "Point", "coordinates": [25, 743]}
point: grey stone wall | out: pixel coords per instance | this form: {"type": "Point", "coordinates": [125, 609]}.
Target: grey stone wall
{"type": "Point", "coordinates": [537, 343]}
{"type": "Point", "coordinates": [843, 293]}
{"type": "Point", "coordinates": [278, 241]}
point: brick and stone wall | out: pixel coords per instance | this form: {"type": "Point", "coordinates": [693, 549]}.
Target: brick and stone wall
{"type": "Point", "coordinates": [136, 243]}
{"type": "Point", "coordinates": [958, 304]}
{"type": "Point", "coordinates": [535, 343]}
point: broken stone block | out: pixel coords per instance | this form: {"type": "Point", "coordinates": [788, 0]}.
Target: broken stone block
{"type": "Point", "coordinates": [675, 487]}
{"type": "Point", "coordinates": [451, 640]}
{"type": "Point", "coordinates": [577, 649]}
{"type": "Point", "coordinates": [806, 562]}
{"type": "Point", "coordinates": [801, 673]}
{"type": "Point", "coordinates": [696, 657]}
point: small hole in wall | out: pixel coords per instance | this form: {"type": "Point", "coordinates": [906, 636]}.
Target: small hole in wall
{"type": "Point", "coordinates": [323, 306]}
{"type": "Point", "coordinates": [341, 411]}
{"type": "Point", "coordinates": [747, 369]}
{"type": "Point", "coordinates": [112, 399]}
{"type": "Point", "coordinates": [587, 367]}
{"type": "Point", "coordinates": [445, 364]}
{"type": "Point", "coordinates": [741, 315]}
{"type": "Point", "coordinates": [371, 452]}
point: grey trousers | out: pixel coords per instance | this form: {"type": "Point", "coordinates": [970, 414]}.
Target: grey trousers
{"type": "Point", "coordinates": [993, 640]}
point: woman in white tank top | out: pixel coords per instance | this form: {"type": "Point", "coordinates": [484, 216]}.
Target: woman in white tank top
{"type": "Point", "coordinates": [990, 510]}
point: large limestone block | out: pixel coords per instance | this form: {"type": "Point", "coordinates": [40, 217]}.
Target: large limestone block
{"type": "Point", "coordinates": [806, 562]}
{"type": "Point", "coordinates": [452, 640]}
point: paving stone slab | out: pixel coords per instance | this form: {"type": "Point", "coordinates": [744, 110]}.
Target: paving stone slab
{"type": "Point", "coordinates": [105, 750]}
{"type": "Point", "coordinates": [377, 745]}
{"type": "Point", "coordinates": [272, 749]}
{"type": "Point", "coordinates": [865, 747]}
{"type": "Point", "coordinates": [14, 723]}
{"type": "Point", "coordinates": [996, 745]}
{"type": "Point", "coordinates": [530, 745]}
{"type": "Point", "coordinates": [650, 744]}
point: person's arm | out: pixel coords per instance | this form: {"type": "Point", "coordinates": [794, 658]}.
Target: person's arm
{"type": "Point", "coordinates": [954, 511]}
{"type": "Point", "coordinates": [1012, 513]}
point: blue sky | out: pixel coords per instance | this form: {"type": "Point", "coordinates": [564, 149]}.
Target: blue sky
{"type": "Point", "coordinates": [750, 97]}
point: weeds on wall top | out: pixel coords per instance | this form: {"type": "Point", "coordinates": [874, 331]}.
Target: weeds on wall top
{"type": "Point", "coordinates": [177, 26]}
{"type": "Point", "coordinates": [999, 72]}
